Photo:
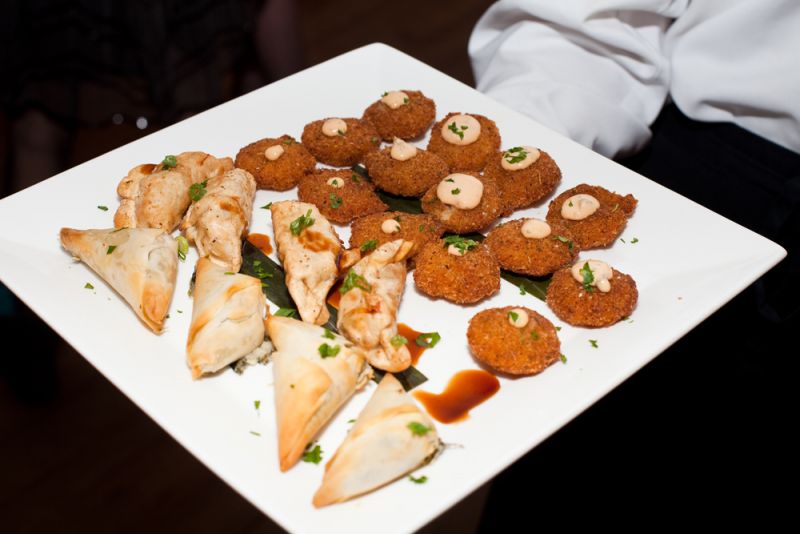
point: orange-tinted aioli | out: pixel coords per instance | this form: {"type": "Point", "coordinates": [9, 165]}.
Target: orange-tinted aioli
{"type": "Point", "coordinates": [261, 242]}
{"type": "Point", "coordinates": [465, 390]}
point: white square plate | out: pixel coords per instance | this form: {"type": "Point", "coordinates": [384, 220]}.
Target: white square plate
{"type": "Point", "coordinates": [687, 262]}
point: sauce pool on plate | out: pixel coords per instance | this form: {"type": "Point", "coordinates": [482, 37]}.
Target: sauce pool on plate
{"type": "Point", "coordinates": [465, 390]}
{"type": "Point", "coordinates": [261, 242]}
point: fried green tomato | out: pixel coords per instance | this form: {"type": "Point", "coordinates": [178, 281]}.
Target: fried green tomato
{"type": "Point", "coordinates": [531, 176]}
{"type": "Point", "coordinates": [367, 233]}
{"type": "Point", "coordinates": [464, 157]}
{"type": "Point", "coordinates": [409, 178]}
{"type": "Point", "coordinates": [276, 163]}
{"type": "Point", "coordinates": [462, 221]}
{"type": "Point", "coordinates": [511, 348]}
{"type": "Point", "coordinates": [404, 114]}
{"type": "Point", "coordinates": [340, 142]}
{"type": "Point", "coordinates": [576, 305]}
{"type": "Point", "coordinates": [463, 279]}
{"type": "Point", "coordinates": [340, 195]}
{"type": "Point", "coordinates": [600, 228]}
{"type": "Point", "coordinates": [534, 256]}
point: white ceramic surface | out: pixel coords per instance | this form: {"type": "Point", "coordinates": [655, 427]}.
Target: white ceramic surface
{"type": "Point", "coordinates": [687, 262]}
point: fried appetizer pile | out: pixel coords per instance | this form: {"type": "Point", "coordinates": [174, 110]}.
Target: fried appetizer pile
{"type": "Point", "coordinates": [463, 202]}
{"type": "Point", "coordinates": [157, 196]}
{"type": "Point", "coordinates": [371, 293]}
{"type": "Point", "coordinates": [532, 246]}
{"type": "Point", "coordinates": [465, 142]}
{"type": "Point", "coordinates": [341, 195]}
{"type": "Point", "coordinates": [308, 247]}
{"type": "Point", "coordinates": [276, 163]}
{"type": "Point", "coordinates": [594, 215]}
{"type": "Point", "coordinates": [141, 264]}
{"type": "Point", "coordinates": [513, 340]}
{"type": "Point", "coordinates": [404, 114]}
{"type": "Point", "coordinates": [340, 142]}
{"type": "Point", "coordinates": [391, 438]}
{"type": "Point", "coordinates": [591, 293]}
{"type": "Point", "coordinates": [457, 269]}
{"type": "Point", "coordinates": [369, 232]}
{"type": "Point", "coordinates": [218, 221]}
{"type": "Point", "coordinates": [405, 170]}
{"type": "Point", "coordinates": [315, 372]}
{"type": "Point", "coordinates": [227, 318]}
{"type": "Point", "coordinates": [524, 174]}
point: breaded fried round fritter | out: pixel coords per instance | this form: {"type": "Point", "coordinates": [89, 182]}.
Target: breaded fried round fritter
{"type": "Point", "coordinates": [418, 228]}
{"type": "Point", "coordinates": [602, 227]}
{"type": "Point", "coordinates": [532, 256]}
{"type": "Point", "coordinates": [341, 195]}
{"type": "Point", "coordinates": [471, 157]}
{"type": "Point", "coordinates": [461, 279]}
{"type": "Point", "coordinates": [467, 220]}
{"type": "Point", "coordinates": [282, 173]}
{"type": "Point", "coordinates": [528, 350]}
{"type": "Point", "coordinates": [410, 120]}
{"type": "Point", "coordinates": [575, 305]}
{"type": "Point", "coordinates": [409, 178]}
{"type": "Point", "coordinates": [341, 150]}
{"type": "Point", "coordinates": [523, 187]}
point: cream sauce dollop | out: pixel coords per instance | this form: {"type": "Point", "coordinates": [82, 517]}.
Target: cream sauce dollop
{"type": "Point", "coordinates": [462, 191]}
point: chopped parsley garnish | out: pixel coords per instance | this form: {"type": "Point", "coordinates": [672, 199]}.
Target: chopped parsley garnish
{"type": "Point", "coordinates": [588, 277]}
{"type": "Point", "coordinates": [455, 129]}
{"type": "Point", "coordinates": [418, 429]}
{"type": "Point", "coordinates": [103, 208]}
{"type": "Point", "coordinates": [515, 155]}
{"type": "Point", "coordinates": [287, 142]}
{"type": "Point", "coordinates": [266, 206]}
{"type": "Point", "coordinates": [301, 223]}
{"type": "Point", "coordinates": [522, 290]}
{"type": "Point", "coordinates": [351, 421]}
{"type": "Point", "coordinates": [384, 94]}
{"type": "Point", "coordinates": [229, 273]}
{"type": "Point", "coordinates": [260, 271]}
{"type": "Point", "coordinates": [328, 351]}
{"type": "Point", "coordinates": [514, 316]}
{"type": "Point", "coordinates": [634, 240]}
{"type": "Point", "coordinates": [461, 243]}
{"type": "Point", "coordinates": [183, 247]}
{"type": "Point", "coordinates": [456, 191]}
{"type": "Point", "coordinates": [179, 311]}
{"type": "Point", "coordinates": [534, 335]}
{"type": "Point", "coordinates": [558, 329]}
{"type": "Point", "coordinates": [398, 341]}
{"type": "Point", "coordinates": [564, 240]}
{"type": "Point", "coordinates": [88, 286]}
{"type": "Point", "coordinates": [570, 204]}
{"type": "Point", "coordinates": [328, 334]}
{"type": "Point", "coordinates": [369, 245]}
{"type": "Point", "coordinates": [198, 191]}
{"type": "Point", "coordinates": [257, 404]}
{"type": "Point", "coordinates": [285, 312]}
{"type": "Point", "coordinates": [340, 132]}
{"type": "Point", "coordinates": [428, 339]}
{"type": "Point", "coordinates": [169, 162]}
{"type": "Point", "coordinates": [421, 480]}
{"type": "Point", "coordinates": [593, 343]}
{"type": "Point", "coordinates": [450, 180]}
{"type": "Point", "coordinates": [421, 228]}
{"type": "Point", "coordinates": [622, 240]}
{"type": "Point", "coordinates": [563, 358]}
{"type": "Point", "coordinates": [255, 433]}
{"type": "Point", "coordinates": [356, 178]}
{"type": "Point", "coordinates": [111, 248]}
{"type": "Point", "coordinates": [353, 280]}
{"type": "Point", "coordinates": [313, 455]}
{"type": "Point", "coordinates": [336, 201]}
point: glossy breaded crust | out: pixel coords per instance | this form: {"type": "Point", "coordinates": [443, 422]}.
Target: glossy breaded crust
{"type": "Point", "coordinates": [409, 178]}
{"type": "Point", "coordinates": [341, 150]}
{"type": "Point", "coordinates": [576, 306]}
{"type": "Point", "coordinates": [495, 342]}
{"type": "Point", "coordinates": [409, 121]}
{"type": "Point", "coordinates": [358, 197]}
{"type": "Point", "coordinates": [465, 221]}
{"type": "Point", "coordinates": [525, 187]}
{"type": "Point", "coordinates": [535, 257]}
{"type": "Point", "coordinates": [602, 227]}
{"type": "Point", "coordinates": [420, 229]}
{"type": "Point", "coordinates": [472, 157]}
{"type": "Point", "coordinates": [282, 173]}
{"type": "Point", "coordinates": [460, 279]}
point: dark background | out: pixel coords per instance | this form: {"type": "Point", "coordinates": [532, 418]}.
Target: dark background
{"type": "Point", "coordinates": [688, 431]}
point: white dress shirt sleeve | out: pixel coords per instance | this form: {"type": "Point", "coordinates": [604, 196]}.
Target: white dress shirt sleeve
{"type": "Point", "coordinates": [593, 70]}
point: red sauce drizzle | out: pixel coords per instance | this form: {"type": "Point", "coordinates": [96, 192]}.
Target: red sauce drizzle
{"type": "Point", "coordinates": [465, 390]}
{"type": "Point", "coordinates": [261, 242]}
